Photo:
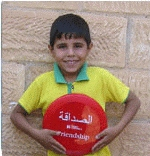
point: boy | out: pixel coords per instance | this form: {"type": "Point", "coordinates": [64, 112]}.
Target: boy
{"type": "Point", "coordinates": [70, 44]}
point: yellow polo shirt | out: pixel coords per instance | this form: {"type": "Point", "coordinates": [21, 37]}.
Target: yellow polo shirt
{"type": "Point", "coordinates": [95, 82]}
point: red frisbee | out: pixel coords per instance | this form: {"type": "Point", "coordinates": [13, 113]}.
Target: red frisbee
{"type": "Point", "coordinates": [79, 118]}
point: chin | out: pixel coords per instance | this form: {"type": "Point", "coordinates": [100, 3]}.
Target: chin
{"type": "Point", "coordinates": [71, 71]}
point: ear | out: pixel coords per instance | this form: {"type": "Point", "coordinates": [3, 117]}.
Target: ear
{"type": "Point", "coordinates": [50, 49]}
{"type": "Point", "coordinates": [90, 47]}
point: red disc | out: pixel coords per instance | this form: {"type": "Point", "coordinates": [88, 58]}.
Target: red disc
{"type": "Point", "coordinates": [79, 118]}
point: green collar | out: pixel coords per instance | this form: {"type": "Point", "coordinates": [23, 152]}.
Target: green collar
{"type": "Point", "coordinates": [82, 76]}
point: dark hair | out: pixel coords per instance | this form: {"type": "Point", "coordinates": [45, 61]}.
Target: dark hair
{"type": "Point", "coordinates": [69, 25]}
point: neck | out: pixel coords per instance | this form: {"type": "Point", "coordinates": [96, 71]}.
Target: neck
{"type": "Point", "coordinates": [70, 78]}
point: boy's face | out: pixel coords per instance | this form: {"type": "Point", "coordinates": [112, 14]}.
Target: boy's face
{"type": "Point", "coordinates": [70, 54]}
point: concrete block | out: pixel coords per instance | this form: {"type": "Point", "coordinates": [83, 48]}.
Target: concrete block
{"type": "Point", "coordinates": [115, 147]}
{"type": "Point", "coordinates": [139, 56]}
{"type": "Point", "coordinates": [13, 83]}
{"type": "Point", "coordinates": [16, 143]}
{"type": "Point", "coordinates": [135, 140]}
{"type": "Point", "coordinates": [139, 82]}
{"type": "Point", "coordinates": [25, 35]}
{"type": "Point", "coordinates": [119, 7]}
{"type": "Point", "coordinates": [68, 5]}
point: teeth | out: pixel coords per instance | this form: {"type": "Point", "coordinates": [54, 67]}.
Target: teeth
{"type": "Point", "coordinates": [71, 62]}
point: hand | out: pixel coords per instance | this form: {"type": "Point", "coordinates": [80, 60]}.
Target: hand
{"type": "Point", "coordinates": [105, 137]}
{"type": "Point", "coordinates": [45, 138]}
{"type": "Point", "coordinates": [131, 107]}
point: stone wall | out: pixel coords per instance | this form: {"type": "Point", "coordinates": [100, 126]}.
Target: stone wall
{"type": "Point", "coordinates": [121, 36]}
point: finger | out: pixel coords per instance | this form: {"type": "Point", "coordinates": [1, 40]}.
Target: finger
{"type": "Point", "coordinates": [56, 144]}
{"type": "Point", "coordinates": [55, 133]}
{"type": "Point", "coordinates": [100, 135]}
{"type": "Point", "coordinates": [97, 148]}
{"type": "Point", "coordinates": [99, 145]}
{"type": "Point", "coordinates": [59, 148]}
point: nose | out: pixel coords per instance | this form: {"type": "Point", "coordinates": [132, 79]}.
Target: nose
{"type": "Point", "coordinates": [70, 52]}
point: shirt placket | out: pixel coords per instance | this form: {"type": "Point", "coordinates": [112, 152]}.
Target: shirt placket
{"type": "Point", "coordinates": [70, 87]}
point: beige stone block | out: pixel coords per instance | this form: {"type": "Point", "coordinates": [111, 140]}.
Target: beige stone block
{"type": "Point", "coordinates": [119, 7]}
{"type": "Point", "coordinates": [16, 143]}
{"type": "Point", "coordinates": [13, 83]}
{"type": "Point", "coordinates": [109, 40]}
{"type": "Point", "coordinates": [25, 35]}
{"type": "Point", "coordinates": [6, 153]}
{"type": "Point", "coordinates": [68, 5]}
{"type": "Point", "coordinates": [135, 139]}
{"type": "Point", "coordinates": [115, 147]}
{"type": "Point", "coordinates": [35, 70]}
{"type": "Point", "coordinates": [140, 44]}
{"type": "Point", "coordinates": [139, 83]}
{"type": "Point", "coordinates": [114, 110]}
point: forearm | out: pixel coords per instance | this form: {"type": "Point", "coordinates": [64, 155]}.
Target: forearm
{"type": "Point", "coordinates": [19, 119]}
{"type": "Point", "coordinates": [43, 136]}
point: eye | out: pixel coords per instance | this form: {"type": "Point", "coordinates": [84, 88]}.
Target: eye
{"type": "Point", "coordinates": [78, 45]}
{"type": "Point", "coordinates": [61, 46]}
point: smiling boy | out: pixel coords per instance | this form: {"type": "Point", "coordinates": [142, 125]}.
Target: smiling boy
{"type": "Point", "coordinates": [70, 54]}
{"type": "Point", "coordinates": [70, 44]}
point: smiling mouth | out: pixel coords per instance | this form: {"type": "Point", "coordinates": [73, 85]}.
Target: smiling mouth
{"type": "Point", "coordinates": [71, 61]}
